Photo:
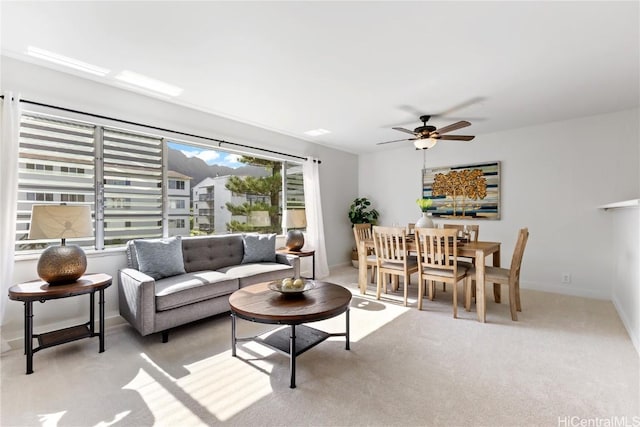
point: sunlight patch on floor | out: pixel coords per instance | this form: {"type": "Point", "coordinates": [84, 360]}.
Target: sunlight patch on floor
{"type": "Point", "coordinates": [230, 384]}
{"type": "Point", "coordinates": [366, 315]}
{"type": "Point", "coordinates": [223, 384]}
{"type": "Point", "coordinates": [165, 407]}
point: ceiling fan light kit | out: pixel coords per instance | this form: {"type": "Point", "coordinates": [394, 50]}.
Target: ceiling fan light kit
{"type": "Point", "coordinates": [424, 144]}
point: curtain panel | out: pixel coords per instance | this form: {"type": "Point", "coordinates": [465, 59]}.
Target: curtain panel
{"type": "Point", "coordinates": [10, 134]}
{"type": "Point", "coordinates": [313, 206]}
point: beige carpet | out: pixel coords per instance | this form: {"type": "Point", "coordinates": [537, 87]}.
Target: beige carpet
{"type": "Point", "coordinates": [566, 360]}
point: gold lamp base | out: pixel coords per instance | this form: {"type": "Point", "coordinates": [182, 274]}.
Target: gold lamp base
{"type": "Point", "coordinates": [294, 240]}
{"type": "Point", "coordinates": [62, 264]}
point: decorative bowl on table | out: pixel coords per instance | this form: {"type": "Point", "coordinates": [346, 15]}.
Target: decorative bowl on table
{"type": "Point", "coordinates": [292, 286]}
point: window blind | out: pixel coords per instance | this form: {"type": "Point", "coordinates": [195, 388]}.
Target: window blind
{"type": "Point", "coordinates": [132, 186]}
{"type": "Point", "coordinates": [56, 165]}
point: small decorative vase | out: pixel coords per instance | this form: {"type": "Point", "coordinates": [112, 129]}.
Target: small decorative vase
{"type": "Point", "coordinates": [425, 221]}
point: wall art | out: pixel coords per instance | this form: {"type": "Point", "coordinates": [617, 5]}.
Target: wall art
{"type": "Point", "coordinates": [463, 191]}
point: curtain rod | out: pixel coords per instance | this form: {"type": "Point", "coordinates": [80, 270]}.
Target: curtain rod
{"type": "Point", "coordinates": [219, 141]}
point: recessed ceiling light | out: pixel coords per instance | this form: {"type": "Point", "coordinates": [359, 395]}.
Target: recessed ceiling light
{"type": "Point", "coordinates": [148, 83]}
{"type": "Point", "coordinates": [317, 132]}
{"type": "Point", "coordinates": [66, 61]}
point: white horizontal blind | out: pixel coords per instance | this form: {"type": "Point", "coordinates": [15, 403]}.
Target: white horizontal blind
{"type": "Point", "coordinates": [132, 186]}
{"type": "Point", "coordinates": [295, 187]}
{"type": "Point", "coordinates": [56, 165]}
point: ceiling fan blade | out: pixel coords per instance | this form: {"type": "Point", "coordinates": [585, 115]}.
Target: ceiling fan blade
{"type": "Point", "coordinates": [405, 130]}
{"type": "Point", "coordinates": [395, 140]}
{"type": "Point", "coordinates": [455, 126]}
{"type": "Point", "coordinates": [457, 137]}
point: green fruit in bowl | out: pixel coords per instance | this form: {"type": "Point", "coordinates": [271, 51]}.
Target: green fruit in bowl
{"type": "Point", "coordinates": [287, 283]}
{"type": "Point", "coordinates": [298, 283]}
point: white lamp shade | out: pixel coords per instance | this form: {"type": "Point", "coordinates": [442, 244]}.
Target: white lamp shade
{"type": "Point", "coordinates": [296, 218]}
{"type": "Point", "coordinates": [423, 144]}
{"type": "Point", "coordinates": [60, 222]}
{"type": "Point", "coordinates": [259, 219]}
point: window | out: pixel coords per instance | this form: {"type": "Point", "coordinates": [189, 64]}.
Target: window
{"type": "Point", "coordinates": [177, 223]}
{"type": "Point", "coordinates": [176, 184]}
{"type": "Point", "coordinates": [224, 197]}
{"type": "Point", "coordinates": [177, 203]}
{"type": "Point", "coordinates": [124, 177]}
{"type": "Point", "coordinates": [132, 185]}
{"type": "Point", "coordinates": [72, 197]}
{"type": "Point", "coordinates": [47, 145]}
{"type": "Point", "coordinates": [73, 171]}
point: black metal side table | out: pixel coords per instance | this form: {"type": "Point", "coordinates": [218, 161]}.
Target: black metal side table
{"type": "Point", "coordinates": [39, 290]}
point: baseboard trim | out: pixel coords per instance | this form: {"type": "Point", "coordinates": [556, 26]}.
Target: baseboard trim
{"type": "Point", "coordinates": [567, 290]}
{"type": "Point", "coordinates": [627, 324]}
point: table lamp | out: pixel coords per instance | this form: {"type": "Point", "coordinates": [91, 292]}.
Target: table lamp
{"type": "Point", "coordinates": [65, 263]}
{"type": "Point", "coordinates": [259, 219]}
{"type": "Point", "coordinates": [296, 218]}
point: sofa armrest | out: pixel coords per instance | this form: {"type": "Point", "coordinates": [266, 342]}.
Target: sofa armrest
{"type": "Point", "coordinates": [292, 260]}
{"type": "Point", "coordinates": [137, 299]}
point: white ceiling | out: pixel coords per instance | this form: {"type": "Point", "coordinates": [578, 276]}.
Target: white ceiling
{"type": "Point", "coordinates": [356, 68]}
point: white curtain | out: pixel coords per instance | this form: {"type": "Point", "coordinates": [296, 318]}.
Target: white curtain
{"type": "Point", "coordinates": [9, 132]}
{"type": "Point", "coordinates": [313, 208]}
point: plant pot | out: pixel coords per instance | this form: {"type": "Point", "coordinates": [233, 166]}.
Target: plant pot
{"type": "Point", "coordinates": [354, 258]}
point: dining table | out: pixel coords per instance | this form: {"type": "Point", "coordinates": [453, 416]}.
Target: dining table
{"type": "Point", "coordinates": [478, 251]}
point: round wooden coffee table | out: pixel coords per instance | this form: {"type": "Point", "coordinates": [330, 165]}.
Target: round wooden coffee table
{"type": "Point", "coordinates": [258, 303]}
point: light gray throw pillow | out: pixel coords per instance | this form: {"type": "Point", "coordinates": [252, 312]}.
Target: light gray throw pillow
{"type": "Point", "coordinates": [160, 258]}
{"type": "Point", "coordinates": [259, 248]}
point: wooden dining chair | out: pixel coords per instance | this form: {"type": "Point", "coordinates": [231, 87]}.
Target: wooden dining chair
{"type": "Point", "coordinates": [474, 231]}
{"type": "Point", "coordinates": [363, 232]}
{"type": "Point", "coordinates": [411, 227]}
{"type": "Point", "coordinates": [392, 256]}
{"type": "Point", "coordinates": [505, 276]}
{"type": "Point", "coordinates": [437, 261]}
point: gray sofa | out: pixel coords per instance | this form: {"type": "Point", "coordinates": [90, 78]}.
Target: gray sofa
{"type": "Point", "coordinates": [171, 282]}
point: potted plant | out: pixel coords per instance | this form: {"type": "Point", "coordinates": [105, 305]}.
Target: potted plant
{"type": "Point", "coordinates": [360, 212]}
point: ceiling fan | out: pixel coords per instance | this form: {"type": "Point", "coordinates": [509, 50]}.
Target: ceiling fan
{"type": "Point", "coordinates": [427, 136]}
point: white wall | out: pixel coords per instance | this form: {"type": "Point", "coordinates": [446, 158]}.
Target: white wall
{"type": "Point", "coordinates": [625, 224]}
{"type": "Point", "coordinates": [338, 172]}
{"type": "Point", "coordinates": [554, 176]}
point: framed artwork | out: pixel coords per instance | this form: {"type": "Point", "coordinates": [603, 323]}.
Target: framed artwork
{"type": "Point", "coordinates": [463, 191]}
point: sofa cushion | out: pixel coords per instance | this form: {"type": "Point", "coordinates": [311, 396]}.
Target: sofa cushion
{"type": "Point", "coordinates": [160, 258]}
{"type": "Point", "coordinates": [249, 274]}
{"type": "Point", "coordinates": [211, 252]}
{"type": "Point", "coordinates": [189, 288]}
{"type": "Point", "coordinates": [259, 248]}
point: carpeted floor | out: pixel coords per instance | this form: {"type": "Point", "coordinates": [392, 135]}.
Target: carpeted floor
{"type": "Point", "coordinates": [567, 361]}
